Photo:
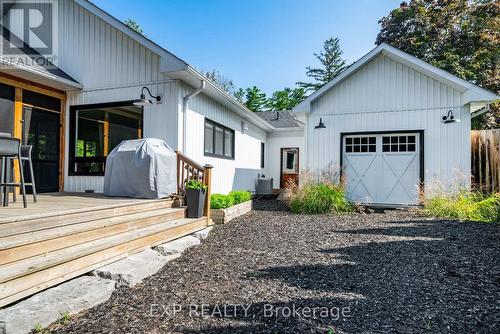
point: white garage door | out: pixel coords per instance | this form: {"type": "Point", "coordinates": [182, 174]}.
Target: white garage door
{"type": "Point", "coordinates": [382, 168]}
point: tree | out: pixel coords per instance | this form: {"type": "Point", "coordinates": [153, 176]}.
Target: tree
{"type": "Point", "coordinates": [222, 81]}
{"type": "Point", "coordinates": [255, 99]}
{"type": "Point", "coordinates": [133, 25]}
{"type": "Point", "coordinates": [458, 36]}
{"type": "Point", "coordinates": [240, 95]}
{"type": "Point", "coordinates": [286, 99]}
{"type": "Point", "coordinates": [332, 64]}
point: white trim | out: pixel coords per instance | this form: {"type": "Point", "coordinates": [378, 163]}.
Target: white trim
{"type": "Point", "coordinates": [473, 93]}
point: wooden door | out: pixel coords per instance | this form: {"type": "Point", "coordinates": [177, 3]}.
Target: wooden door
{"type": "Point", "coordinates": [289, 167]}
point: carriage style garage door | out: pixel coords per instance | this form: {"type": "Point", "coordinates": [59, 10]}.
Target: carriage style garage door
{"type": "Point", "coordinates": [382, 168]}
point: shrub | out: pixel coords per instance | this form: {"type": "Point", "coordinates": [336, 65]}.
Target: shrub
{"type": "Point", "coordinates": [219, 201]}
{"type": "Point", "coordinates": [316, 198]}
{"type": "Point", "coordinates": [196, 185]}
{"type": "Point", "coordinates": [240, 196]}
{"type": "Point", "coordinates": [465, 205]}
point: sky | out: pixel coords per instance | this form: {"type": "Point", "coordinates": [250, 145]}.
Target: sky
{"type": "Point", "coordinates": [266, 43]}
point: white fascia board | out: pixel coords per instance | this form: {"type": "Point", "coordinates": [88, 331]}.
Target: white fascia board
{"type": "Point", "coordinates": [192, 77]}
{"type": "Point", "coordinates": [305, 106]}
{"type": "Point", "coordinates": [32, 73]}
{"type": "Point", "coordinates": [473, 92]}
{"type": "Point", "coordinates": [168, 58]}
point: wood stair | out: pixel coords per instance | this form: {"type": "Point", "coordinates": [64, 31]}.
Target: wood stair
{"type": "Point", "coordinates": [42, 251]}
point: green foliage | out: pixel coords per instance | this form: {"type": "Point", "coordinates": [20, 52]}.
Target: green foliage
{"type": "Point", "coordinates": [64, 318]}
{"type": "Point", "coordinates": [219, 201]}
{"type": "Point", "coordinates": [37, 329]}
{"type": "Point", "coordinates": [317, 198]}
{"type": "Point", "coordinates": [133, 25]}
{"type": "Point", "coordinates": [332, 64]}
{"type": "Point", "coordinates": [240, 196]}
{"type": "Point", "coordinates": [458, 36]}
{"type": "Point", "coordinates": [196, 185]}
{"type": "Point", "coordinates": [465, 205]}
{"type": "Point", "coordinates": [255, 99]}
{"type": "Point", "coordinates": [286, 99]}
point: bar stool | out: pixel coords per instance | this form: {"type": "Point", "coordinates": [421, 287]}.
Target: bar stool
{"type": "Point", "coordinates": [26, 156]}
{"type": "Point", "coordinates": [10, 148]}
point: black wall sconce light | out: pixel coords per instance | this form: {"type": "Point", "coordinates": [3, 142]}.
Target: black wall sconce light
{"type": "Point", "coordinates": [142, 101]}
{"type": "Point", "coordinates": [449, 118]}
{"type": "Point", "coordinates": [321, 125]}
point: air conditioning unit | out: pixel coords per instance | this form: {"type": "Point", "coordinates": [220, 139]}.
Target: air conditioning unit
{"type": "Point", "coordinates": [264, 186]}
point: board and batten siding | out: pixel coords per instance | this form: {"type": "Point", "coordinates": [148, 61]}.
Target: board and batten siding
{"type": "Point", "coordinates": [385, 95]}
{"type": "Point", "coordinates": [275, 142]}
{"type": "Point", "coordinates": [112, 67]}
{"type": "Point", "coordinates": [238, 174]}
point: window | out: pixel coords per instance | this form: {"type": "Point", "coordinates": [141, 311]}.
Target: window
{"type": "Point", "coordinates": [96, 130]}
{"type": "Point", "coordinates": [360, 144]}
{"type": "Point", "coordinates": [399, 143]}
{"type": "Point", "coordinates": [262, 154]}
{"type": "Point", "coordinates": [219, 140]}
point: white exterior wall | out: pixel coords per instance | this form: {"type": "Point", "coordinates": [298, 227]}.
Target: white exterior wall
{"type": "Point", "coordinates": [385, 95]}
{"type": "Point", "coordinates": [238, 174]}
{"type": "Point", "coordinates": [111, 67]}
{"type": "Point", "coordinates": [275, 142]}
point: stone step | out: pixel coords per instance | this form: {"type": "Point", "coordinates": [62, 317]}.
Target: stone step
{"type": "Point", "coordinates": [48, 306]}
{"type": "Point", "coordinates": [133, 269]}
{"type": "Point", "coordinates": [177, 246]}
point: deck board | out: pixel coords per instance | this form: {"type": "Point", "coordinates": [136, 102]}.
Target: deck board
{"type": "Point", "coordinates": [55, 204]}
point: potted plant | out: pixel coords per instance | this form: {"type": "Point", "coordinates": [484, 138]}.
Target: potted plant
{"type": "Point", "coordinates": [195, 198]}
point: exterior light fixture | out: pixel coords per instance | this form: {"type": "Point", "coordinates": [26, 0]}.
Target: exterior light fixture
{"type": "Point", "coordinates": [244, 127]}
{"type": "Point", "coordinates": [321, 125]}
{"type": "Point", "coordinates": [142, 101]}
{"type": "Point", "coordinates": [449, 118]}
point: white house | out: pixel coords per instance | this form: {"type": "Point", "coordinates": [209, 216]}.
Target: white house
{"type": "Point", "coordinates": [382, 117]}
{"type": "Point", "coordinates": [395, 125]}
{"type": "Point", "coordinates": [85, 106]}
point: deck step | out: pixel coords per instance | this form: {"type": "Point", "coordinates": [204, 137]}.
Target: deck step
{"type": "Point", "coordinates": [17, 225]}
{"type": "Point", "coordinates": [28, 276]}
{"type": "Point", "coordinates": [21, 246]}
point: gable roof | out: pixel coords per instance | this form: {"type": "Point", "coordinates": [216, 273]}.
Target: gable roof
{"type": "Point", "coordinates": [176, 68]}
{"type": "Point", "coordinates": [473, 93]}
{"type": "Point", "coordinates": [283, 119]}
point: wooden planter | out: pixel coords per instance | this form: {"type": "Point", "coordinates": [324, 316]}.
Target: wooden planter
{"type": "Point", "coordinates": [222, 216]}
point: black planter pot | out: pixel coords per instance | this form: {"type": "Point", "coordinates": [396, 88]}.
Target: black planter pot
{"type": "Point", "coordinates": [195, 199]}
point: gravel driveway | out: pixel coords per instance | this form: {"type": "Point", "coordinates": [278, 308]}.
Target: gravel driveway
{"type": "Point", "coordinates": [275, 272]}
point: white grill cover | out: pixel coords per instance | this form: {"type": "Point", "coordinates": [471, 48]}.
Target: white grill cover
{"type": "Point", "coordinates": [142, 168]}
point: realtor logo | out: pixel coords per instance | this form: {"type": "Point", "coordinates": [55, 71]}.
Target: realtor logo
{"type": "Point", "coordinates": [29, 29]}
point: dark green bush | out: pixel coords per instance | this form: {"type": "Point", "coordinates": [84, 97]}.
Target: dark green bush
{"type": "Point", "coordinates": [219, 201]}
{"type": "Point", "coordinates": [465, 205]}
{"type": "Point", "coordinates": [240, 196]}
{"type": "Point", "coordinates": [317, 198]}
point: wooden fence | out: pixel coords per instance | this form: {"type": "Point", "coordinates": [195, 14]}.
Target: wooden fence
{"type": "Point", "coordinates": [485, 149]}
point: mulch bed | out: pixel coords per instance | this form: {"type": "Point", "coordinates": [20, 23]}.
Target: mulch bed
{"type": "Point", "coordinates": [268, 271]}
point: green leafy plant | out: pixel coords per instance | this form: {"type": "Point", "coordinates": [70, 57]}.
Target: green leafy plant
{"type": "Point", "coordinates": [465, 205]}
{"type": "Point", "coordinates": [37, 329]}
{"type": "Point", "coordinates": [64, 318]}
{"type": "Point", "coordinates": [317, 198]}
{"type": "Point", "coordinates": [240, 196]}
{"type": "Point", "coordinates": [196, 185]}
{"type": "Point", "coordinates": [219, 201]}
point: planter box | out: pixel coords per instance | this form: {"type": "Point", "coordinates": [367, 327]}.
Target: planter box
{"type": "Point", "coordinates": [222, 216]}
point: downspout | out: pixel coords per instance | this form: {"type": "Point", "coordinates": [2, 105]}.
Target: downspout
{"type": "Point", "coordinates": [185, 105]}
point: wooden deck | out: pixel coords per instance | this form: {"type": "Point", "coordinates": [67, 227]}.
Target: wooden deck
{"type": "Point", "coordinates": [65, 235]}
